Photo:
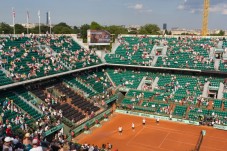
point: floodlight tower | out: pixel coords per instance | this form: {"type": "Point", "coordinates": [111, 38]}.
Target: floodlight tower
{"type": "Point", "coordinates": [205, 17]}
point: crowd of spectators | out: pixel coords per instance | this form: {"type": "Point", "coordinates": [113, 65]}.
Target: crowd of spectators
{"type": "Point", "coordinates": [35, 56]}
{"type": "Point", "coordinates": [37, 143]}
{"type": "Point", "coordinates": [33, 139]}
{"type": "Point", "coordinates": [197, 51]}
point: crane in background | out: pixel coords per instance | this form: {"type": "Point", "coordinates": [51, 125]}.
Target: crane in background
{"type": "Point", "coordinates": [205, 17]}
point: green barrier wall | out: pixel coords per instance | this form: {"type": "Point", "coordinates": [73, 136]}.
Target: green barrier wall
{"type": "Point", "coordinates": [157, 116]}
{"type": "Point", "coordinates": [52, 130]}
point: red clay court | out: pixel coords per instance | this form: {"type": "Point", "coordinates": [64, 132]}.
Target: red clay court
{"type": "Point", "coordinates": [166, 136]}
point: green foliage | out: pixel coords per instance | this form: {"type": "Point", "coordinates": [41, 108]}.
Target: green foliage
{"type": "Point", "coordinates": [83, 31]}
{"type": "Point", "coordinates": [5, 28]}
{"type": "Point", "coordinates": [143, 31]}
{"type": "Point", "coordinates": [168, 32]}
{"type": "Point", "coordinates": [221, 33]}
{"type": "Point", "coordinates": [186, 34]}
{"type": "Point", "coordinates": [133, 32]}
{"type": "Point", "coordinates": [19, 29]}
{"type": "Point", "coordinates": [95, 26]}
{"type": "Point", "coordinates": [151, 29]}
{"type": "Point", "coordinates": [62, 28]}
{"type": "Point", "coordinates": [76, 30]}
{"type": "Point", "coordinates": [43, 29]}
{"type": "Point", "coordinates": [116, 30]}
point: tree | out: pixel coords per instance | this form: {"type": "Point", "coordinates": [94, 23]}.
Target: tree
{"type": "Point", "coordinates": [62, 28]}
{"type": "Point", "coordinates": [5, 28]}
{"type": "Point", "coordinates": [170, 33]}
{"type": "Point", "coordinates": [133, 32]}
{"type": "Point", "coordinates": [83, 31]}
{"type": "Point", "coordinates": [44, 29]}
{"type": "Point", "coordinates": [95, 26]}
{"type": "Point", "coordinates": [221, 33]}
{"type": "Point", "coordinates": [76, 30]}
{"type": "Point", "coordinates": [143, 31]}
{"type": "Point", "coordinates": [19, 29]}
{"type": "Point", "coordinates": [150, 29]}
{"type": "Point", "coordinates": [116, 30]}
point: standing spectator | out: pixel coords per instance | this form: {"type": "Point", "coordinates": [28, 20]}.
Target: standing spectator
{"type": "Point", "coordinates": [27, 142]}
{"type": "Point", "coordinates": [109, 146]}
{"type": "Point", "coordinates": [7, 144]}
{"type": "Point", "coordinates": [8, 130]}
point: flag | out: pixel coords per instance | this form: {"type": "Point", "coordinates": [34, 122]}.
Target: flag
{"type": "Point", "coordinates": [49, 16]}
{"type": "Point", "coordinates": [13, 13]}
{"type": "Point", "coordinates": [28, 14]}
{"type": "Point", "coordinates": [39, 13]}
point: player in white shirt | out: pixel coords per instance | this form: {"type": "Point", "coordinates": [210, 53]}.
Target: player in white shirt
{"type": "Point", "coordinates": [144, 121]}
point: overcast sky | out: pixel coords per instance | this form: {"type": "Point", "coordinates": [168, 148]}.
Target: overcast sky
{"type": "Point", "coordinates": [176, 13]}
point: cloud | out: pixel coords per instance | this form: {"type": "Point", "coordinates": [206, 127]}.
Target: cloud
{"type": "Point", "coordinates": [224, 12]}
{"type": "Point", "coordinates": [139, 8]}
{"type": "Point", "coordinates": [136, 6]}
{"type": "Point", "coordinates": [196, 6]}
{"type": "Point", "coordinates": [219, 8]}
{"type": "Point", "coordinates": [180, 7]}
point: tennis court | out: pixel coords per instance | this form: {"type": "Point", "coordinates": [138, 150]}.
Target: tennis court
{"type": "Point", "coordinates": [165, 136]}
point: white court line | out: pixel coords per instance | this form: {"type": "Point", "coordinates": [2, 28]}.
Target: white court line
{"type": "Point", "coordinates": [135, 136]}
{"type": "Point", "coordinates": [186, 133]}
{"type": "Point", "coordinates": [164, 140]}
{"type": "Point", "coordinates": [182, 142]}
{"type": "Point", "coordinates": [172, 131]}
{"type": "Point", "coordinates": [214, 149]}
{"type": "Point", "coordinates": [148, 146]}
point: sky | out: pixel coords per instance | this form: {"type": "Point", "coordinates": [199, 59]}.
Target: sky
{"type": "Point", "coordinates": [176, 13]}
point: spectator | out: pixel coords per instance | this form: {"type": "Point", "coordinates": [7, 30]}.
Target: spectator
{"type": "Point", "coordinates": [7, 144]}
{"type": "Point", "coordinates": [27, 142]}
{"type": "Point", "coordinates": [35, 145]}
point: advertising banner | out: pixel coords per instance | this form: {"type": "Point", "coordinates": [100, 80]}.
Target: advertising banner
{"type": "Point", "coordinates": [98, 37]}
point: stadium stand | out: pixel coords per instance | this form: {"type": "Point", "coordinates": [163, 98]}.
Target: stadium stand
{"type": "Point", "coordinates": [133, 50]}
{"type": "Point", "coordinates": [76, 98]}
{"type": "Point", "coordinates": [33, 56]}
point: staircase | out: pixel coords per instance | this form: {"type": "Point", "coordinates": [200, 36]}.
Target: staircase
{"type": "Point", "coordinates": [152, 54]}
{"type": "Point", "coordinates": [154, 84]}
{"type": "Point", "coordinates": [216, 64]}
{"type": "Point", "coordinates": [211, 55]}
{"type": "Point", "coordinates": [164, 50]}
{"type": "Point", "coordinates": [205, 89]}
{"type": "Point", "coordinates": [115, 46]}
{"type": "Point", "coordinates": [154, 60]}
{"type": "Point", "coordinates": [220, 44]}
{"type": "Point", "coordinates": [103, 54]}
{"type": "Point", "coordinates": [220, 91]}
{"type": "Point", "coordinates": [74, 37]}
{"type": "Point", "coordinates": [113, 84]}
{"type": "Point", "coordinates": [141, 83]}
